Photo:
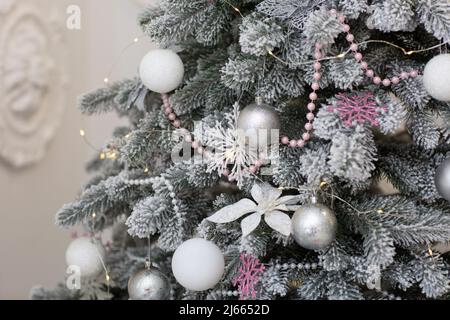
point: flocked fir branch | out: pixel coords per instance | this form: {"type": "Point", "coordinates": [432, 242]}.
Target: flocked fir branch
{"type": "Point", "coordinates": [383, 242]}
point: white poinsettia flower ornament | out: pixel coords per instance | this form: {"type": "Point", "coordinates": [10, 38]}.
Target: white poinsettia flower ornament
{"type": "Point", "coordinates": [269, 204]}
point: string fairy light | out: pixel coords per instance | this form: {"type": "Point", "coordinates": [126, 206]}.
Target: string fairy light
{"type": "Point", "coordinates": [96, 240]}
{"type": "Point", "coordinates": [135, 40]}
{"type": "Point", "coordinates": [234, 8]}
{"type": "Point", "coordinates": [332, 195]}
{"type": "Point", "coordinates": [87, 141]}
{"type": "Point", "coordinates": [108, 153]}
{"type": "Point", "coordinates": [343, 54]}
{"type": "Point", "coordinates": [113, 154]}
{"type": "Point", "coordinates": [430, 251]}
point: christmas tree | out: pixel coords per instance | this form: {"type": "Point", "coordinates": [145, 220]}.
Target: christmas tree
{"type": "Point", "coordinates": [261, 138]}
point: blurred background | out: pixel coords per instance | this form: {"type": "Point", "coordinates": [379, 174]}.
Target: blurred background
{"type": "Point", "coordinates": [50, 52]}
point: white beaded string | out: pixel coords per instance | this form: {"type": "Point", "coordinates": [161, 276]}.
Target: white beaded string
{"type": "Point", "coordinates": [138, 182]}
{"type": "Point", "coordinates": [227, 293]}
{"type": "Point", "coordinates": [298, 266]}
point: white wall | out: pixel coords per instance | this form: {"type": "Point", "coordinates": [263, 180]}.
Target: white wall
{"type": "Point", "coordinates": [31, 247]}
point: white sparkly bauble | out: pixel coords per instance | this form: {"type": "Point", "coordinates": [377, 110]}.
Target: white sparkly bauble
{"type": "Point", "coordinates": [198, 265]}
{"type": "Point", "coordinates": [314, 226]}
{"type": "Point", "coordinates": [257, 122]}
{"type": "Point", "coordinates": [442, 179]}
{"type": "Point", "coordinates": [149, 284]}
{"type": "Point", "coordinates": [86, 254]}
{"type": "Point", "coordinates": [161, 70]}
{"type": "Point", "coordinates": [436, 77]}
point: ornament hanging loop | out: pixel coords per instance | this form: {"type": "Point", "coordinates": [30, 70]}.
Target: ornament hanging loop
{"type": "Point", "coordinates": [148, 264]}
{"type": "Point", "coordinates": [148, 260]}
{"type": "Point", "coordinates": [259, 100]}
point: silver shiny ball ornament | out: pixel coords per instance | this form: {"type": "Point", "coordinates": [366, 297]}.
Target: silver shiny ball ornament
{"type": "Point", "coordinates": [314, 226]}
{"type": "Point", "coordinates": [257, 120]}
{"type": "Point", "coordinates": [149, 284]}
{"type": "Point", "coordinates": [442, 179]}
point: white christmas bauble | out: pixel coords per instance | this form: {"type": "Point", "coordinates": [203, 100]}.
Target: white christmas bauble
{"type": "Point", "coordinates": [436, 77]}
{"type": "Point", "coordinates": [87, 255]}
{"type": "Point", "coordinates": [198, 265]}
{"type": "Point", "coordinates": [161, 70]}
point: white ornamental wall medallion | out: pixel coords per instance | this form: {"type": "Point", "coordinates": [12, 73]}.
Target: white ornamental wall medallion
{"type": "Point", "coordinates": [32, 84]}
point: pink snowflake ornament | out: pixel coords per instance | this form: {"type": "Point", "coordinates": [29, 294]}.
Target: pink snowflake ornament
{"type": "Point", "coordinates": [357, 108]}
{"type": "Point", "coordinates": [248, 276]}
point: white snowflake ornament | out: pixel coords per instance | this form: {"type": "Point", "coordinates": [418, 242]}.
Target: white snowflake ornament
{"type": "Point", "coordinates": [269, 204]}
{"type": "Point", "coordinates": [229, 148]}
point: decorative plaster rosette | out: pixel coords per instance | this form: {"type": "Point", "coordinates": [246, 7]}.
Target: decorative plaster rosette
{"type": "Point", "coordinates": [31, 81]}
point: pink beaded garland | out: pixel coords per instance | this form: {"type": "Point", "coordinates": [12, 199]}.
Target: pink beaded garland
{"type": "Point", "coordinates": [258, 163]}
{"type": "Point", "coordinates": [311, 106]}
{"type": "Point", "coordinates": [306, 136]}
{"type": "Point", "coordinates": [350, 37]}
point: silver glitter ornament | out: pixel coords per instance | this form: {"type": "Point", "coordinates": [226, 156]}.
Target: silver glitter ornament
{"type": "Point", "coordinates": [149, 284]}
{"type": "Point", "coordinates": [257, 120]}
{"type": "Point", "coordinates": [442, 179]}
{"type": "Point", "coordinates": [314, 226]}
